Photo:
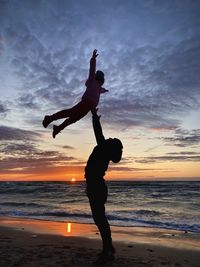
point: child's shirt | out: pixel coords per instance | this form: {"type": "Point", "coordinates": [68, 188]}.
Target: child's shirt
{"type": "Point", "coordinates": [93, 89]}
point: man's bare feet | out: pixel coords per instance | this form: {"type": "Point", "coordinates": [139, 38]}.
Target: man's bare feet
{"type": "Point", "coordinates": [105, 258]}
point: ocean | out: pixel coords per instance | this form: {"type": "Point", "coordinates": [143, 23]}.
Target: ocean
{"type": "Point", "coordinates": [171, 205]}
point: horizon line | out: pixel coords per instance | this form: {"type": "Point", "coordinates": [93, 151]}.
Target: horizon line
{"type": "Point", "coordinates": [164, 179]}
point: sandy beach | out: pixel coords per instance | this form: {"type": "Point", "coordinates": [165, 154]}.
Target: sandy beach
{"type": "Point", "coordinates": [25, 242]}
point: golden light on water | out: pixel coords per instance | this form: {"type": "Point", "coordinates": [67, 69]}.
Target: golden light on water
{"type": "Point", "coordinates": [69, 228]}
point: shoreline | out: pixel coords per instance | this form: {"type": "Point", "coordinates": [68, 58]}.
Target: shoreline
{"type": "Point", "coordinates": [137, 234]}
{"type": "Point", "coordinates": [27, 242]}
{"type": "Point", "coordinates": [112, 225]}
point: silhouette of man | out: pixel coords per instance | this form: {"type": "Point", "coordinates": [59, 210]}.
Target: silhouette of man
{"type": "Point", "coordinates": [106, 150]}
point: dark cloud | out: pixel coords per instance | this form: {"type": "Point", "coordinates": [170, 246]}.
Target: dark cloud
{"type": "Point", "coordinates": [3, 109]}
{"type": "Point", "coordinates": [184, 138]}
{"type": "Point", "coordinates": [27, 101]}
{"type": "Point", "coordinates": [183, 153]}
{"type": "Point", "coordinates": [28, 157]}
{"type": "Point", "coordinates": [32, 165]}
{"type": "Point", "coordinates": [11, 133]}
{"type": "Point", "coordinates": [159, 93]}
{"type": "Point", "coordinates": [68, 147]}
{"type": "Point", "coordinates": [168, 158]}
{"type": "Point", "coordinates": [128, 169]}
{"type": "Point", "coordinates": [18, 148]}
{"type": "Point", "coordinates": [30, 150]}
{"type": "Point", "coordinates": [149, 51]}
{"type": "Point", "coordinates": [152, 77]}
{"type": "Point", "coordinates": [152, 148]}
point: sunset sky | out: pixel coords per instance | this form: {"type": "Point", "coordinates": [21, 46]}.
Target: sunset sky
{"type": "Point", "coordinates": [150, 53]}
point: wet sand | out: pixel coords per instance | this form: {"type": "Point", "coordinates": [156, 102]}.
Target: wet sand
{"type": "Point", "coordinates": [25, 242]}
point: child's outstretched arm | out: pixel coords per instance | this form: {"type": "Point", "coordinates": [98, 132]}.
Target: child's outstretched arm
{"type": "Point", "coordinates": [97, 127]}
{"type": "Point", "coordinates": [103, 90]}
{"type": "Point", "coordinates": [92, 70]}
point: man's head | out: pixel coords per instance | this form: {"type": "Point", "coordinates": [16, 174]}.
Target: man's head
{"type": "Point", "coordinates": [99, 76]}
{"type": "Point", "coordinates": [115, 149]}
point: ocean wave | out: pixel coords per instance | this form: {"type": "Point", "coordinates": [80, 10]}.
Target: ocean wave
{"type": "Point", "coordinates": [114, 220]}
{"type": "Point", "coordinates": [44, 214]}
{"type": "Point", "coordinates": [148, 212]}
{"type": "Point", "coordinates": [22, 204]}
{"type": "Point", "coordinates": [155, 204]}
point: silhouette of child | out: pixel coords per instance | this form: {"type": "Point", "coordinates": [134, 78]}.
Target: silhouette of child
{"type": "Point", "coordinates": [89, 101]}
{"type": "Point", "coordinates": [97, 165]}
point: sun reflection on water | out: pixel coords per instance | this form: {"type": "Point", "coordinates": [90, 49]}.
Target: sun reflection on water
{"type": "Point", "coordinates": [69, 228]}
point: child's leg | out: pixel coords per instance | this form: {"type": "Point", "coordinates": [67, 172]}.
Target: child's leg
{"type": "Point", "coordinates": [66, 113]}
{"type": "Point", "coordinates": [62, 114]}
{"type": "Point", "coordinates": [56, 116]}
{"type": "Point", "coordinates": [76, 113]}
{"type": "Point", "coordinates": [59, 128]}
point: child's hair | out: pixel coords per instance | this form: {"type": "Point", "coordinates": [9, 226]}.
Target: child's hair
{"type": "Point", "coordinates": [99, 76]}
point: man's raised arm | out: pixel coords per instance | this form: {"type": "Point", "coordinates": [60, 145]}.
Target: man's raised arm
{"type": "Point", "coordinates": [97, 127]}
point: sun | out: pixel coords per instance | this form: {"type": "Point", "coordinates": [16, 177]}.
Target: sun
{"type": "Point", "coordinates": [73, 179]}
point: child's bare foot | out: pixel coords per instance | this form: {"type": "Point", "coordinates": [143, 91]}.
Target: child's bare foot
{"type": "Point", "coordinates": [56, 130]}
{"type": "Point", "coordinates": [47, 120]}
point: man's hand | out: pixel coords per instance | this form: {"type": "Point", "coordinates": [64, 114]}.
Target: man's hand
{"type": "Point", "coordinates": [95, 55]}
{"type": "Point", "coordinates": [94, 113]}
{"type": "Point", "coordinates": [97, 127]}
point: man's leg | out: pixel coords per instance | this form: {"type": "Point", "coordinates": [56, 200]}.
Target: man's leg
{"type": "Point", "coordinates": [100, 219]}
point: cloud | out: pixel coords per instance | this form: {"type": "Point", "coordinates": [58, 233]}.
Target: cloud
{"type": "Point", "coordinates": [20, 149]}
{"type": "Point", "coordinates": [160, 85]}
{"type": "Point", "coordinates": [184, 138]}
{"type": "Point", "coordinates": [68, 147]}
{"type": "Point", "coordinates": [176, 157]}
{"type": "Point", "coordinates": [27, 101]}
{"type": "Point", "coordinates": [124, 169]}
{"type": "Point", "coordinates": [3, 109]}
{"type": "Point", "coordinates": [11, 133]}
{"type": "Point", "coordinates": [34, 165]}
{"type": "Point", "coordinates": [184, 153]}
{"type": "Point", "coordinates": [24, 156]}
{"type": "Point", "coordinates": [151, 74]}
